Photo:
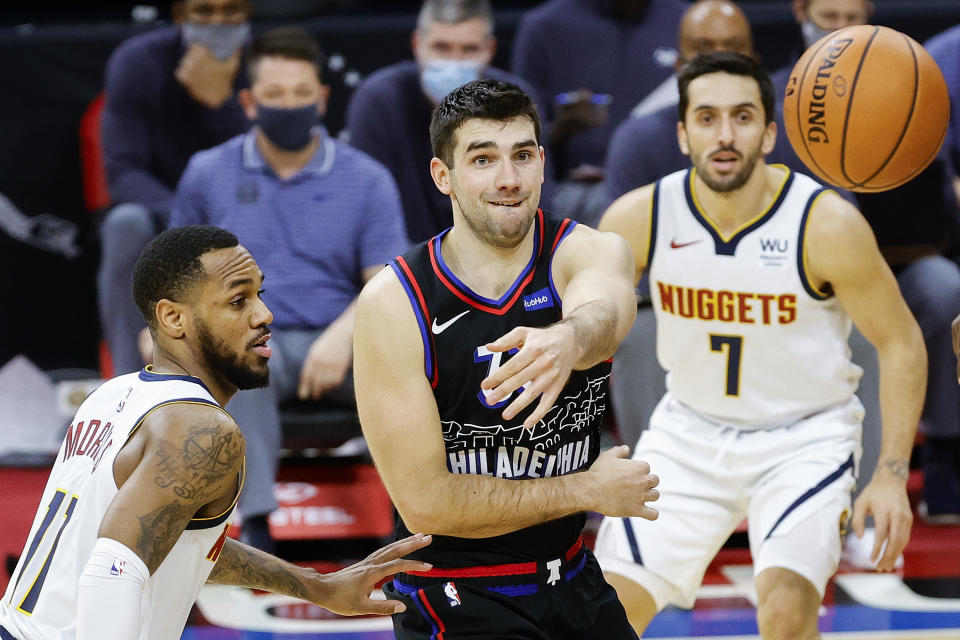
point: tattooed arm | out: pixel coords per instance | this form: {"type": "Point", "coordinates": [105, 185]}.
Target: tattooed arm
{"type": "Point", "coordinates": [184, 461]}
{"type": "Point", "coordinates": [345, 592]}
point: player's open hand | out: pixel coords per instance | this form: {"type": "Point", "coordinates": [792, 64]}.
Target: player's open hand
{"type": "Point", "coordinates": [622, 486]}
{"type": "Point", "coordinates": [347, 592]}
{"type": "Point", "coordinates": [886, 498]}
{"type": "Point", "coordinates": [539, 369]}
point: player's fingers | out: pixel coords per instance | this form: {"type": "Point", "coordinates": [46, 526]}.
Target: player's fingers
{"type": "Point", "coordinates": [513, 338]}
{"type": "Point", "coordinates": [400, 548]}
{"type": "Point", "coordinates": [380, 571]}
{"type": "Point", "coordinates": [379, 607]}
{"type": "Point", "coordinates": [648, 513]}
{"type": "Point", "coordinates": [524, 378]}
{"type": "Point", "coordinates": [899, 536]}
{"type": "Point", "coordinates": [881, 525]}
{"type": "Point", "coordinates": [531, 392]}
{"type": "Point", "coordinates": [547, 398]}
{"type": "Point", "coordinates": [511, 369]}
{"type": "Point", "coordinates": [619, 451]}
{"type": "Point", "coordinates": [859, 519]}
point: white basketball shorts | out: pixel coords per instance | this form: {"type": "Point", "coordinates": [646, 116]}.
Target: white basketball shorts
{"type": "Point", "coordinates": [793, 483]}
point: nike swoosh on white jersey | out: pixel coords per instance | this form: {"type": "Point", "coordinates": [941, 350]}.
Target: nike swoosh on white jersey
{"type": "Point", "coordinates": [440, 328]}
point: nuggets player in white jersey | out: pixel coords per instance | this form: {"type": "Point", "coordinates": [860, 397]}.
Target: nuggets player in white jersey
{"type": "Point", "coordinates": [134, 517]}
{"type": "Point", "coordinates": [756, 274]}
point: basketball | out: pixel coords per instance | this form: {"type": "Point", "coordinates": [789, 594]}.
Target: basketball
{"type": "Point", "coordinates": [866, 108]}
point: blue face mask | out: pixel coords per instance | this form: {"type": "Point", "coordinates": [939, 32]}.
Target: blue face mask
{"type": "Point", "coordinates": [441, 76]}
{"type": "Point", "coordinates": [812, 33]}
{"type": "Point", "coordinates": [221, 39]}
{"type": "Point", "coordinates": [289, 129]}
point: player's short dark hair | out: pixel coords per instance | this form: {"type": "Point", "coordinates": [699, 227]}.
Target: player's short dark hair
{"type": "Point", "coordinates": [727, 62]}
{"type": "Point", "coordinates": [170, 266]}
{"type": "Point", "coordinates": [295, 43]}
{"type": "Point", "coordinates": [488, 99]}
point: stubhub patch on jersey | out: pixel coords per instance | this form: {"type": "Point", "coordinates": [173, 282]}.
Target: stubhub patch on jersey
{"type": "Point", "coordinates": [541, 299]}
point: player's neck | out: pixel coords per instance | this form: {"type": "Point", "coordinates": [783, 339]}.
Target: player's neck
{"type": "Point", "coordinates": [487, 270]}
{"type": "Point", "coordinates": [732, 209]}
{"type": "Point", "coordinates": [165, 361]}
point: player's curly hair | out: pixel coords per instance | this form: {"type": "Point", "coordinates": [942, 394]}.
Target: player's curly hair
{"type": "Point", "coordinates": [488, 99]}
{"type": "Point", "coordinates": [170, 266]}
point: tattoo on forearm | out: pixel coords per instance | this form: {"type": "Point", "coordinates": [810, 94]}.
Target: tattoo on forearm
{"type": "Point", "coordinates": [899, 468]}
{"type": "Point", "coordinates": [245, 566]}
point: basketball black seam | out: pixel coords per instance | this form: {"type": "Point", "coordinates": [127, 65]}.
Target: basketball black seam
{"type": "Point", "coordinates": [923, 165]}
{"type": "Point", "coordinates": [803, 138]}
{"type": "Point", "coordinates": [846, 119]}
{"type": "Point", "coordinates": [906, 125]}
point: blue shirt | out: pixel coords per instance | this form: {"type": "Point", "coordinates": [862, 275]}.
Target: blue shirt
{"type": "Point", "coordinates": [945, 50]}
{"type": "Point", "coordinates": [565, 45]}
{"type": "Point", "coordinates": [151, 126]}
{"type": "Point", "coordinates": [312, 235]}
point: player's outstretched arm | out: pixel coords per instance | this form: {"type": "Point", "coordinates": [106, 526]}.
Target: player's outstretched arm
{"type": "Point", "coordinates": [346, 592]}
{"type": "Point", "coordinates": [402, 427]}
{"type": "Point", "coordinates": [184, 460]}
{"type": "Point", "coordinates": [593, 273]}
{"type": "Point", "coordinates": [843, 256]}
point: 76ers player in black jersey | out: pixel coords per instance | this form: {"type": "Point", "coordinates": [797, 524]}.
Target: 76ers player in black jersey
{"type": "Point", "coordinates": [481, 364]}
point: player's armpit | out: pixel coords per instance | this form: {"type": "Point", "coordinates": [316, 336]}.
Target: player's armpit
{"type": "Point", "coordinates": [184, 461]}
{"type": "Point", "coordinates": [630, 216]}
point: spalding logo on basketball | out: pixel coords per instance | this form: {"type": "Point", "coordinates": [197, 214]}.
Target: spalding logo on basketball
{"type": "Point", "coordinates": [866, 108]}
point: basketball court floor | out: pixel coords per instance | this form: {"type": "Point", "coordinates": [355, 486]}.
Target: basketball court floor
{"type": "Point", "coordinates": [919, 601]}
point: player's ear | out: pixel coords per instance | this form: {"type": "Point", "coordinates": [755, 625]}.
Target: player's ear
{"type": "Point", "coordinates": [171, 320]}
{"type": "Point", "coordinates": [441, 175]}
{"type": "Point", "coordinates": [769, 138]}
{"type": "Point", "coordinates": [682, 139]}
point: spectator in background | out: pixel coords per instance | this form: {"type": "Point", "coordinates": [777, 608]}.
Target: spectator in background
{"type": "Point", "coordinates": [707, 26]}
{"type": "Point", "coordinates": [945, 49]}
{"type": "Point", "coordinates": [591, 62]}
{"type": "Point", "coordinates": [169, 93]}
{"type": "Point", "coordinates": [323, 217]}
{"type": "Point", "coordinates": [388, 116]}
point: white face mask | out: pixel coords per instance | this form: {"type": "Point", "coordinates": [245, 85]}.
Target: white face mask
{"type": "Point", "coordinates": [441, 76]}
{"type": "Point", "coordinates": [812, 33]}
{"type": "Point", "coordinates": [221, 39]}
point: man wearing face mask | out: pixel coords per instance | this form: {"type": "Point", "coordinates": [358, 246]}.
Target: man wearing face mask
{"type": "Point", "coordinates": [323, 217]}
{"type": "Point", "coordinates": [168, 94]}
{"type": "Point", "coordinates": [388, 116]}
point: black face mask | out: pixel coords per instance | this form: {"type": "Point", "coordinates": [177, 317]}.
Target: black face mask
{"type": "Point", "coordinates": [289, 129]}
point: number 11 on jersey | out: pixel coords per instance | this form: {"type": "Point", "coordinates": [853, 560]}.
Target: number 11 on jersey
{"type": "Point", "coordinates": [734, 348]}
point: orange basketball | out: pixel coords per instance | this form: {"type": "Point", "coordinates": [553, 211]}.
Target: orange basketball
{"type": "Point", "coordinates": [866, 108]}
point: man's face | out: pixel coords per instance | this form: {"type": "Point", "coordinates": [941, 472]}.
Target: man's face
{"type": "Point", "coordinates": [831, 15]}
{"type": "Point", "coordinates": [495, 179]}
{"type": "Point", "coordinates": [229, 328]}
{"type": "Point", "coordinates": [470, 40]}
{"type": "Point", "coordinates": [723, 131]}
{"type": "Point", "coordinates": [285, 83]}
{"type": "Point", "coordinates": [715, 25]}
{"type": "Point", "coordinates": [215, 11]}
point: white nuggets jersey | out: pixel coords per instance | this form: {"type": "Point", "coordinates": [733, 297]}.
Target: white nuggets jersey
{"type": "Point", "coordinates": [41, 599]}
{"type": "Point", "coordinates": [744, 335]}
